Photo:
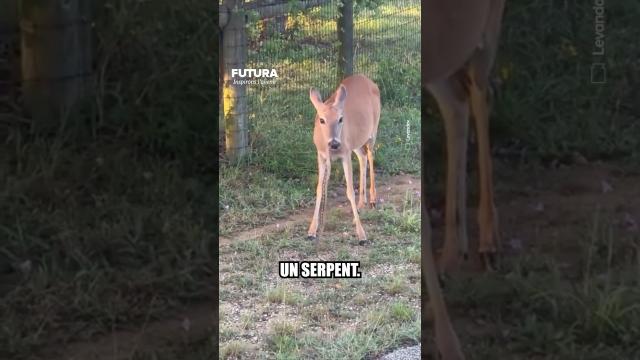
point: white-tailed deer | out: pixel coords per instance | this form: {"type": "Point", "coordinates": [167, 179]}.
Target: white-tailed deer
{"type": "Point", "coordinates": [346, 122]}
{"type": "Point", "coordinates": [460, 39]}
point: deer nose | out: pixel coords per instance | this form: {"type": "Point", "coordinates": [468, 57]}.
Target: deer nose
{"type": "Point", "coordinates": [333, 144]}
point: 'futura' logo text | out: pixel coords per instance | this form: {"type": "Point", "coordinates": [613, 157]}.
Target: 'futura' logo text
{"type": "Point", "coordinates": [254, 73]}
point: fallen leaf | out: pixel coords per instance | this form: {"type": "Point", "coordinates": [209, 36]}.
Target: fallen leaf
{"type": "Point", "coordinates": [630, 223]}
{"type": "Point", "coordinates": [515, 243]}
{"type": "Point", "coordinates": [186, 324]}
{"type": "Point", "coordinates": [539, 207]}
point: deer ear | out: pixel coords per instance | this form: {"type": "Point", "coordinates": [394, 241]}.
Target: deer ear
{"type": "Point", "coordinates": [315, 98]}
{"type": "Point", "coordinates": [341, 95]}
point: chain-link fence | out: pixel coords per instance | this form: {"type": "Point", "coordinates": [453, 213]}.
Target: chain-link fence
{"type": "Point", "coordinates": [303, 46]}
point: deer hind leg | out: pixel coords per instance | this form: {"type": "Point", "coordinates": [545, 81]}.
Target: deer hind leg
{"type": "Point", "coordinates": [348, 175]}
{"type": "Point", "coordinates": [362, 160]}
{"type": "Point", "coordinates": [373, 199]}
{"type": "Point", "coordinates": [487, 215]}
{"type": "Point", "coordinates": [454, 107]}
{"type": "Point", "coordinates": [317, 221]}
{"type": "Point", "coordinates": [447, 341]}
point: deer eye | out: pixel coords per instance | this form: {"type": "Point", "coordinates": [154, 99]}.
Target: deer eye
{"type": "Point", "coordinates": [340, 121]}
{"type": "Point", "coordinates": [321, 121]}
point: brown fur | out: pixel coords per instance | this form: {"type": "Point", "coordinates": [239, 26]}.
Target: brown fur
{"type": "Point", "coordinates": [357, 103]}
{"type": "Point", "coordinates": [460, 39]}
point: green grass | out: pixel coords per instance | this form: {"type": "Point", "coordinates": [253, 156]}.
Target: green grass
{"type": "Point", "coordinates": [536, 307]}
{"type": "Point", "coordinates": [322, 318]}
{"type": "Point", "coordinates": [546, 108]}
{"type": "Point", "coordinates": [547, 101]}
{"type": "Point", "coordinates": [105, 222]}
{"type": "Point", "coordinates": [279, 294]}
{"type": "Point", "coordinates": [197, 350]}
{"type": "Point", "coordinates": [249, 197]}
{"type": "Point", "coordinates": [235, 349]}
{"type": "Point", "coordinates": [113, 241]}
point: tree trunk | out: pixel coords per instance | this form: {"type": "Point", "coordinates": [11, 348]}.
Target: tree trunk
{"type": "Point", "coordinates": [9, 42]}
{"type": "Point", "coordinates": [345, 36]}
{"type": "Point", "coordinates": [56, 54]}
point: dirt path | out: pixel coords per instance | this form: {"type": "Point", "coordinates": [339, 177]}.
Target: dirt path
{"type": "Point", "coordinates": [551, 212]}
{"type": "Point", "coordinates": [291, 221]}
{"type": "Point", "coordinates": [391, 189]}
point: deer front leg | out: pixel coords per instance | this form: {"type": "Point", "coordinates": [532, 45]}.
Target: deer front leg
{"type": "Point", "coordinates": [317, 222]}
{"type": "Point", "coordinates": [348, 175]}
{"type": "Point", "coordinates": [362, 160]}
{"type": "Point", "coordinates": [487, 215]}
{"type": "Point", "coordinates": [454, 107]}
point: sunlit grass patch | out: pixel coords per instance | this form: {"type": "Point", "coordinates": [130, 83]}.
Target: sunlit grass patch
{"type": "Point", "coordinates": [280, 294]}
{"type": "Point", "coordinates": [235, 350]}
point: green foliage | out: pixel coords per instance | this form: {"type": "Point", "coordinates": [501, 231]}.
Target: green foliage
{"type": "Point", "coordinates": [547, 101]}
{"type": "Point", "coordinates": [103, 222]}
{"type": "Point", "coordinates": [361, 5]}
{"type": "Point", "coordinates": [155, 77]}
{"type": "Point", "coordinates": [546, 106]}
{"type": "Point", "coordinates": [392, 90]}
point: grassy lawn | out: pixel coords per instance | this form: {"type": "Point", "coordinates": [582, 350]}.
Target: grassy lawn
{"type": "Point", "coordinates": [553, 306]}
{"type": "Point", "coordinates": [105, 221]}
{"type": "Point", "coordinates": [94, 242]}
{"type": "Point", "coordinates": [264, 316]}
{"type": "Point", "coordinates": [568, 288]}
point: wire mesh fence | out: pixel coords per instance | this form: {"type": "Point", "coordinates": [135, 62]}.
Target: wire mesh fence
{"type": "Point", "coordinates": [302, 45]}
{"type": "Point", "coordinates": [387, 48]}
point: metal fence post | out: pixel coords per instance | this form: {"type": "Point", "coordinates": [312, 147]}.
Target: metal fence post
{"type": "Point", "coordinates": [345, 36]}
{"type": "Point", "coordinates": [234, 43]}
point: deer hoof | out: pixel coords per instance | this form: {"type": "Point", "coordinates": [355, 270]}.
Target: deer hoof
{"type": "Point", "coordinates": [372, 204]}
{"type": "Point", "coordinates": [312, 237]}
{"type": "Point", "coordinates": [364, 242]}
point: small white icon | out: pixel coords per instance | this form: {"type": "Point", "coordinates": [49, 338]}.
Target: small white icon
{"type": "Point", "coordinates": [598, 73]}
